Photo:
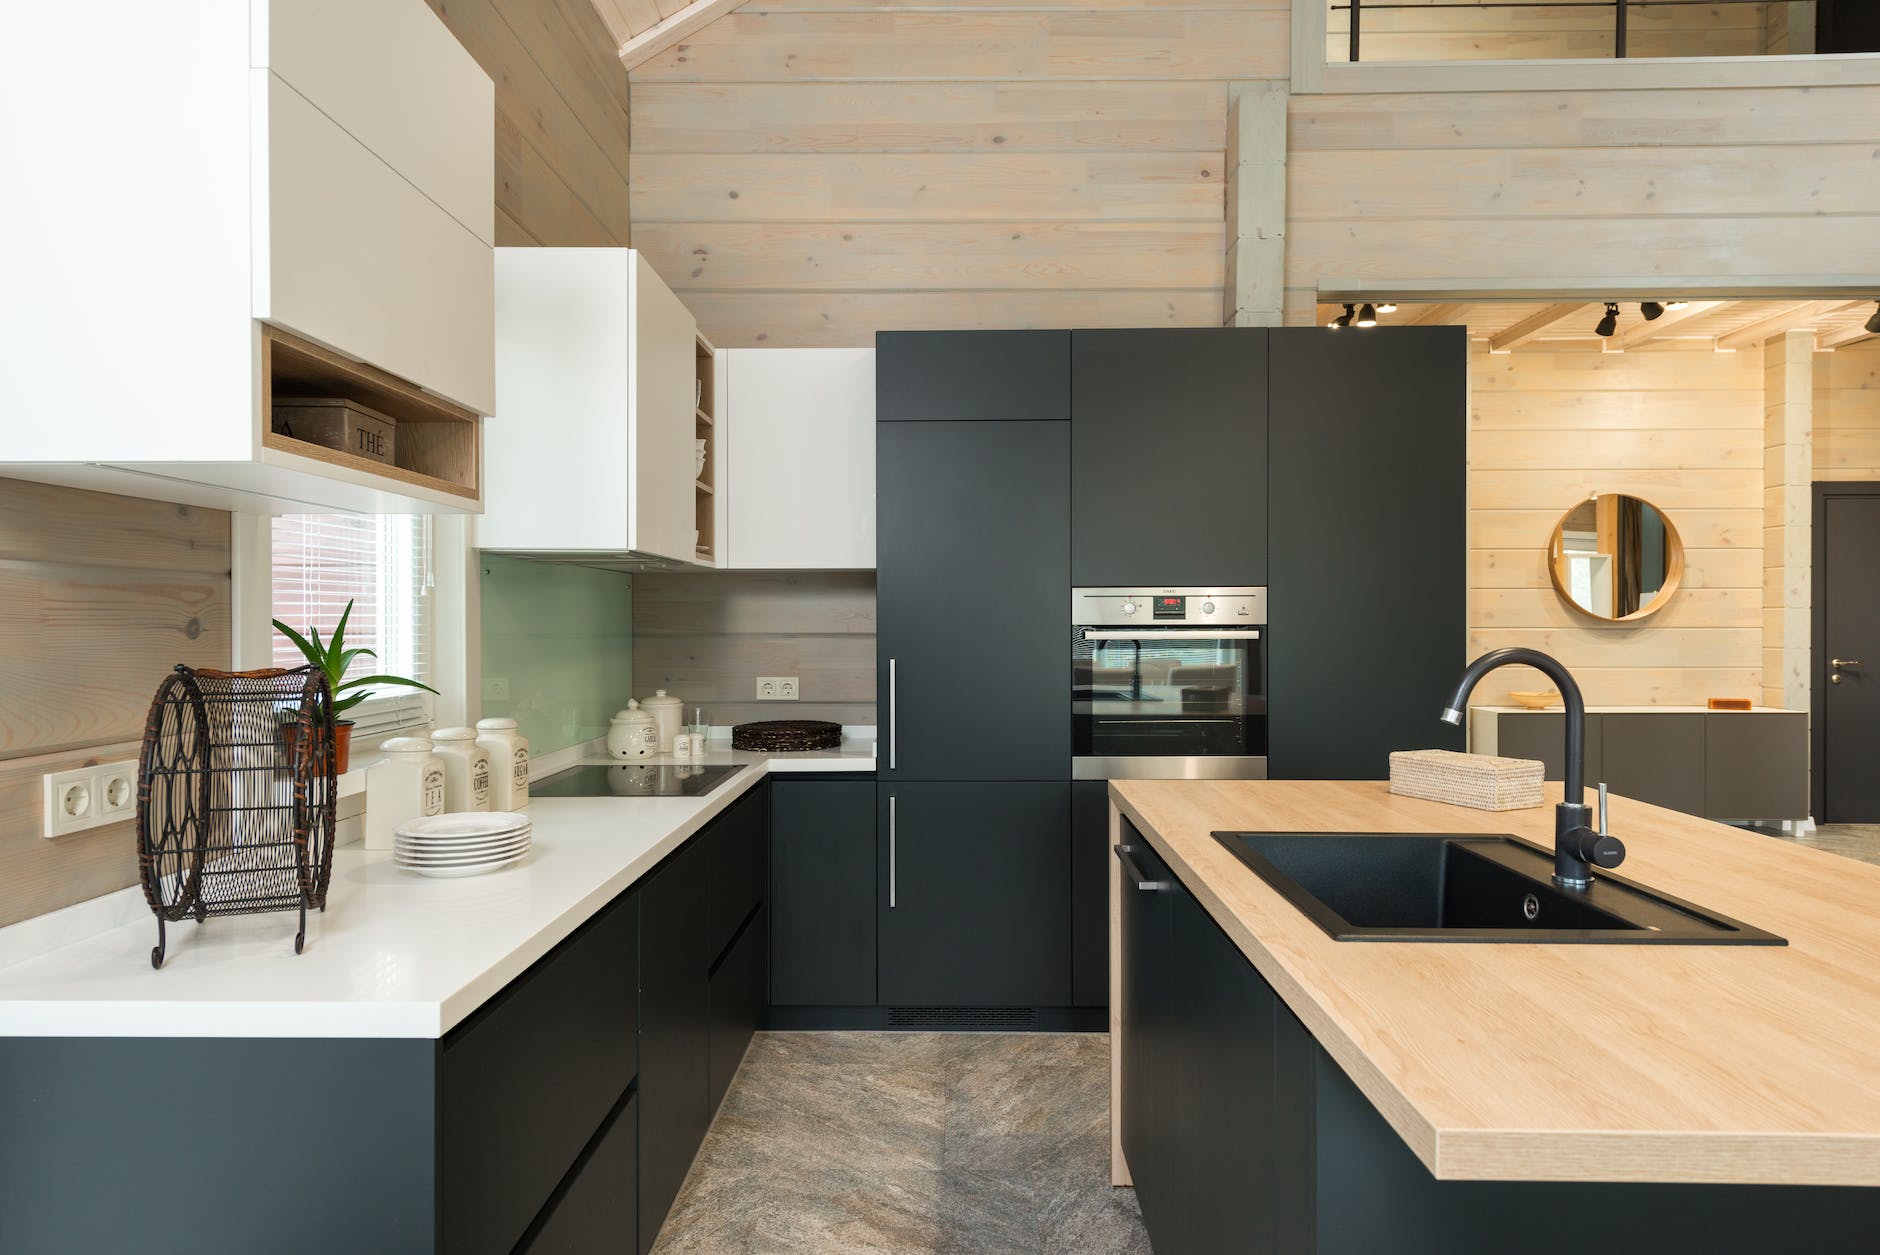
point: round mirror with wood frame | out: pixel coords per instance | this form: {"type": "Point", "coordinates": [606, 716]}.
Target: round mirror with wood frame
{"type": "Point", "coordinates": [1616, 558]}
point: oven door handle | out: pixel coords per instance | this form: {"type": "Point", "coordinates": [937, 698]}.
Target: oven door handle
{"type": "Point", "coordinates": [1170, 634]}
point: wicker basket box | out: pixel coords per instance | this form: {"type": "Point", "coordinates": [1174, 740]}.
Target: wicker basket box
{"type": "Point", "coordinates": [1481, 781]}
{"type": "Point", "coordinates": [334, 423]}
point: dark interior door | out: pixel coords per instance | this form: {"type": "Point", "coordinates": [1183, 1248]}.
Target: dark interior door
{"type": "Point", "coordinates": [1847, 628]}
{"type": "Point", "coordinates": [972, 597]}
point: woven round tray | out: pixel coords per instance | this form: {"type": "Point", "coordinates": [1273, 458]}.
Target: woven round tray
{"type": "Point", "coordinates": [782, 735]}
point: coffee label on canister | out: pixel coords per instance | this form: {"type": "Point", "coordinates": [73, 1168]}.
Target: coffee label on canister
{"type": "Point", "coordinates": [519, 769]}
{"type": "Point", "coordinates": [480, 780]}
{"type": "Point", "coordinates": [434, 791]}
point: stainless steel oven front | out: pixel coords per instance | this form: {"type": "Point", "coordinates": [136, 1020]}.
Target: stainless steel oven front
{"type": "Point", "coordinates": [1168, 683]}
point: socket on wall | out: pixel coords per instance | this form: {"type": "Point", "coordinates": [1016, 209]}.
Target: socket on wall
{"type": "Point", "coordinates": [89, 797]}
{"type": "Point", "coordinates": [776, 688]}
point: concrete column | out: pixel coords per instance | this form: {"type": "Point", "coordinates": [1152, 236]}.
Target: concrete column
{"type": "Point", "coordinates": [1256, 204]}
{"type": "Point", "coordinates": [1788, 468]}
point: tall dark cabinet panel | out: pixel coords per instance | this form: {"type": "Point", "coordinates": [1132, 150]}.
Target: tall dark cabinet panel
{"type": "Point", "coordinates": [1367, 561]}
{"type": "Point", "coordinates": [956, 375]}
{"type": "Point", "coordinates": [675, 1032]}
{"type": "Point", "coordinates": [972, 599]}
{"type": "Point", "coordinates": [1168, 456]}
{"type": "Point", "coordinates": [822, 892]}
{"type": "Point", "coordinates": [974, 897]}
{"type": "Point", "coordinates": [1090, 893]}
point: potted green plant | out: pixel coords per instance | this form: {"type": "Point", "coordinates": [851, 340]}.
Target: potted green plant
{"type": "Point", "coordinates": [333, 658]}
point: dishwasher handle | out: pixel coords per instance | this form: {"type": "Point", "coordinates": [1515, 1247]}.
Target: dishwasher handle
{"type": "Point", "coordinates": [1126, 855]}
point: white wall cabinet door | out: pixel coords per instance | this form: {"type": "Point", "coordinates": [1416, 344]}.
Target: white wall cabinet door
{"type": "Point", "coordinates": [665, 338]}
{"type": "Point", "coordinates": [800, 444]}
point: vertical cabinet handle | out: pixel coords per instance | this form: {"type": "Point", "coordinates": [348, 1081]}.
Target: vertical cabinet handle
{"type": "Point", "coordinates": [891, 852]}
{"type": "Point", "coordinates": [894, 740]}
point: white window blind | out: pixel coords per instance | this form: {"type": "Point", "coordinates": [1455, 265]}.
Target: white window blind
{"type": "Point", "coordinates": [383, 564]}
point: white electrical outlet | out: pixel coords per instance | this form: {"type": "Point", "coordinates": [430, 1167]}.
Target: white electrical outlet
{"type": "Point", "coordinates": [496, 690]}
{"type": "Point", "coordinates": [87, 797]}
{"type": "Point", "coordinates": [776, 688]}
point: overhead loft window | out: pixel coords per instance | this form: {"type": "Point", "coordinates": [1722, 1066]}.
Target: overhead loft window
{"type": "Point", "coordinates": [1533, 30]}
{"type": "Point", "coordinates": [383, 564]}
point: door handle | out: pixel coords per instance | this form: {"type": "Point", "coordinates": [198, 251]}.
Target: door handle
{"type": "Point", "coordinates": [1838, 663]}
{"type": "Point", "coordinates": [891, 853]}
{"type": "Point", "coordinates": [1137, 876]}
{"type": "Point", "coordinates": [894, 740]}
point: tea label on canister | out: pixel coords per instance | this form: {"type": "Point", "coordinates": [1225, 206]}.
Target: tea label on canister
{"type": "Point", "coordinates": [434, 791]}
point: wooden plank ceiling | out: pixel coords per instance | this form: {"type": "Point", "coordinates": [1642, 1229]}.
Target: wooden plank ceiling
{"type": "Point", "coordinates": [1511, 326]}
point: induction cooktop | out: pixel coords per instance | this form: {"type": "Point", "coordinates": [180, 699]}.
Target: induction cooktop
{"type": "Point", "coordinates": [634, 780]}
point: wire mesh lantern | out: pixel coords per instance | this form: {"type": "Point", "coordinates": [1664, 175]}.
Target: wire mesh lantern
{"type": "Point", "coordinates": [235, 796]}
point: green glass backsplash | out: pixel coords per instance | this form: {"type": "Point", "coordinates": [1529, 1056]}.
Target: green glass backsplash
{"type": "Point", "coordinates": [561, 637]}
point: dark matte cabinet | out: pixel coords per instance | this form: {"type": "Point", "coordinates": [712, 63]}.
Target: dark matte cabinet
{"type": "Point", "coordinates": [1366, 546]}
{"type": "Point", "coordinates": [1168, 457]}
{"type": "Point", "coordinates": [974, 894]}
{"type": "Point", "coordinates": [945, 376]}
{"type": "Point", "coordinates": [822, 892]}
{"type": "Point", "coordinates": [1656, 758]}
{"type": "Point", "coordinates": [1090, 893]}
{"type": "Point", "coordinates": [525, 1082]}
{"type": "Point", "coordinates": [972, 597]}
{"type": "Point", "coordinates": [701, 995]}
{"type": "Point", "coordinates": [1542, 735]}
{"type": "Point", "coordinates": [593, 1214]}
{"type": "Point", "coordinates": [1756, 767]}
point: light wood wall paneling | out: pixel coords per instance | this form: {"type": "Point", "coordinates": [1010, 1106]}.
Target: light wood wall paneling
{"type": "Point", "coordinates": [563, 148]}
{"type": "Point", "coordinates": [708, 636]}
{"type": "Point", "coordinates": [1555, 421]}
{"type": "Point", "coordinates": [99, 597]}
{"type": "Point", "coordinates": [928, 118]}
{"type": "Point", "coordinates": [1847, 413]}
{"type": "Point", "coordinates": [1113, 43]}
{"type": "Point", "coordinates": [810, 319]}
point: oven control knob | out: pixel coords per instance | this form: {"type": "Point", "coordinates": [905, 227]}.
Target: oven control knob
{"type": "Point", "coordinates": [1129, 607]}
{"type": "Point", "coordinates": [1207, 607]}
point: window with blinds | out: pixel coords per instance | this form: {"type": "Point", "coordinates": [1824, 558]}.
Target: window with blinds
{"type": "Point", "coordinates": [382, 563]}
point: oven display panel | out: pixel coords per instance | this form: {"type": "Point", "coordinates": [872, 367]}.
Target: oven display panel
{"type": "Point", "coordinates": [1171, 607]}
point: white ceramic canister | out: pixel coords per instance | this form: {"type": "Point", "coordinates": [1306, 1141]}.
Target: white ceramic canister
{"type": "Point", "coordinates": [466, 770]}
{"type": "Point", "coordinates": [633, 734]}
{"type": "Point", "coordinates": [669, 714]}
{"type": "Point", "coordinates": [406, 782]}
{"type": "Point", "coordinates": [509, 763]}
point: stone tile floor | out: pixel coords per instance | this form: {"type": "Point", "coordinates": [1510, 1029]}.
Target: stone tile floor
{"type": "Point", "coordinates": [911, 1142]}
{"type": "Point", "coordinates": [1856, 841]}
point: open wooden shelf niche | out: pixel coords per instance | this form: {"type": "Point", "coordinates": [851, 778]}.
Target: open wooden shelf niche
{"type": "Point", "coordinates": [704, 428]}
{"type": "Point", "coordinates": [436, 446]}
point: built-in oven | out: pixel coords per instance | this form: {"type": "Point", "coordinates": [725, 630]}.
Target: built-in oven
{"type": "Point", "coordinates": [1168, 683]}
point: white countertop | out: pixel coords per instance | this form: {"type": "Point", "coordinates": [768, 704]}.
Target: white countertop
{"type": "Point", "coordinates": [393, 955]}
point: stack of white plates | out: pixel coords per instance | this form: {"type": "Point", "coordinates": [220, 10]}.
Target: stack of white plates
{"type": "Point", "coordinates": [461, 845]}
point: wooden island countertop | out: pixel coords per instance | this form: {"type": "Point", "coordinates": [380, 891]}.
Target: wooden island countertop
{"type": "Point", "coordinates": [1550, 1062]}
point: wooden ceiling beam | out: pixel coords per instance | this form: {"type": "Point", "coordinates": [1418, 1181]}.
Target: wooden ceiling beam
{"type": "Point", "coordinates": [1437, 316]}
{"type": "Point", "coordinates": [1532, 325]}
{"type": "Point", "coordinates": [1789, 318]}
{"type": "Point", "coordinates": [649, 43]}
{"type": "Point", "coordinates": [1841, 337]}
{"type": "Point", "coordinates": [1642, 331]}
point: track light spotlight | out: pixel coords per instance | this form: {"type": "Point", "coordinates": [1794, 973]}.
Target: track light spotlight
{"type": "Point", "coordinates": [1676, 304]}
{"type": "Point", "coordinates": [1610, 323]}
{"type": "Point", "coordinates": [1342, 321]}
{"type": "Point", "coordinates": [1367, 317]}
{"type": "Point", "coordinates": [1387, 307]}
{"type": "Point", "coordinates": [1873, 323]}
{"type": "Point", "coordinates": [1651, 309]}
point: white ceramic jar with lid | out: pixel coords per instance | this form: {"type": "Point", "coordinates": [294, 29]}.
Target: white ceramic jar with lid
{"type": "Point", "coordinates": [509, 763]}
{"type": "Point", "coordinates": [669, 713]}
{"type": "Point", "coordinates": [405, 783]}
{"type": "Point", "coordinates": [466, 770]}
{"type": "Point", "coordinates": [633, 734]}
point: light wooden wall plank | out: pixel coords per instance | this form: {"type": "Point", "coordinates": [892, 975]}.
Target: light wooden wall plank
{"type": "Point", "coordinates": [1107, 44]}
{"type": "Point", "coordinates": [928, 117]}
{"type": "Point", "coordinates": [1031, 256]}
{"type": "Point", "coordinates": [99, 597]}
{"type": "Point", "coordinates": [924, 187]}
{"type": "Point", "coordinates": [850, 319]}
{"type": "Point", "coordinates": [1847, 413]}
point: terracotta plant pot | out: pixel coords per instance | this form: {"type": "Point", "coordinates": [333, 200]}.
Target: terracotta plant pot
{"type": "Point", "coordinates": [342, 749]}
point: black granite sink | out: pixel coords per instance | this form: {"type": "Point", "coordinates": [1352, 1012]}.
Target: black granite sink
{"type": "Point", "coordinates": [1467, 887]}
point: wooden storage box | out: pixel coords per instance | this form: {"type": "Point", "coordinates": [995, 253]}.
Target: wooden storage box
{"type": "Point", "coordinates": [336, 423]}
{"type": "Point", "coordinates": [1481, 781]}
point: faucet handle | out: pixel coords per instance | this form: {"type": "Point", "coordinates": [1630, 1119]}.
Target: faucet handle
{"type": "Point", "coordinates": [1603, 830]}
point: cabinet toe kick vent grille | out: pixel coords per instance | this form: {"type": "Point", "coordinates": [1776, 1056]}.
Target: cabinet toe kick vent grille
{"type": "Point", "coordinates": [962, 1017]}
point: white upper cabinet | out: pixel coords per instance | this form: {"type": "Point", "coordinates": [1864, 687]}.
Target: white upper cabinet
{"type": "Point", "coordinates": [591, 450]}
{"type": "Point", "coordinates": [799, 427]}
{"type": "Point", "coordinates": [236, 200]}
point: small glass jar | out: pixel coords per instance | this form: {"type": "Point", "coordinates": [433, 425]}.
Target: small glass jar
{"type": "Point", "coordinates": [405, 783]}
{"type": "Point", "coordinates": [466, 770]}
{"type": "Point", "coordinates": [509, 763]}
